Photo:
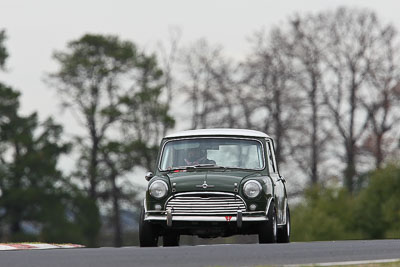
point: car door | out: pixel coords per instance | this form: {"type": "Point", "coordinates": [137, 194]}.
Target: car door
{"type": "Point", "coordinates": [278, 182]}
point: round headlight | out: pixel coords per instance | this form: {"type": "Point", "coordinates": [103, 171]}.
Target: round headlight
{"type": "Point", "coordinates": [158, 189]}
{"type": "Point", "coordinates": [252, 189]}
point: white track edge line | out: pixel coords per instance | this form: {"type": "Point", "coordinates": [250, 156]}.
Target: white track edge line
{"type": "Point", "coordinates": [344, 263]}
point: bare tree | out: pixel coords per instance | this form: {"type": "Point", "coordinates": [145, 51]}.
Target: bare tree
{"type": "Point", "coordinates": [305, 49]}
{"type": "Point", "coordinates": [381, 101]}
{"type": "Point", "coordinates": [207, 85]}
{"type": "Point", "coordinates": [351, 37]}
{"type": "Point", "coordinates": [169, 59]}
{"type": "Point", "coordinates": [323, 86]}
{"type": "Point", "coordinates": [270, 76]}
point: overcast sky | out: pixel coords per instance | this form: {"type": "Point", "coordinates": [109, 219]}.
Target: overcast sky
{"type": "Point", "coordinates": [35, 28]}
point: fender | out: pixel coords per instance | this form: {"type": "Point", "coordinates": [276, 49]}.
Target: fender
{"type": "Point", "coordinates": [285, 214]}
{"type": "Point", "coordinates": [268, 205]}
{"type": "Point", "coordinates": [144, 206]}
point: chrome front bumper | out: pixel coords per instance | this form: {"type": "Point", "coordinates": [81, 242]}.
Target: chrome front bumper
{"type": "Point", "coordinates": [239, 217]}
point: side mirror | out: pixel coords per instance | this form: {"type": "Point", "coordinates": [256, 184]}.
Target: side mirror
{"type": "Point", "coordinates": [148, 176]}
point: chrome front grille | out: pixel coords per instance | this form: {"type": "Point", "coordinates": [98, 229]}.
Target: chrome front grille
{"type": "Point", "coordinates": [205, 204]}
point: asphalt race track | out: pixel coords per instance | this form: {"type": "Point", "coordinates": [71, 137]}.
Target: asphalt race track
{"type": "Point", "coordinates": [210, 255]}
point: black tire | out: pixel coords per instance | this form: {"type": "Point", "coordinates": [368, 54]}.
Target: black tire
{"type": "Point", "coordinates": [171, 240]}
{"type": "Point", "coordinates": [284, 231]}
{"type": "Point", "coordinates": [148, 236]}
{"type": "Point", "coordinates": [267, 232]}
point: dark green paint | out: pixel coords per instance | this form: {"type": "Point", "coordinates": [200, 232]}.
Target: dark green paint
{"type": "Point", "coordinates": [223, 181]}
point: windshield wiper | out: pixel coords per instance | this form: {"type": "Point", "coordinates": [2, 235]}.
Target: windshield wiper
{"type": "Point", "coordinates": [197, 166]}
{"type": "Point", "coordinates": [239, 168]}
{"type": "Point", "coordinates": [206, 165]}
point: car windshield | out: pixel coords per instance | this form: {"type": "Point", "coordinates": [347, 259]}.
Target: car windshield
{"type": "Point", "coordinates": [212, 152]}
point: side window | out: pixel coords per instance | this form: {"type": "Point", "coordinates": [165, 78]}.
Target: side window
{"type": "Point", "coordinates": [271, 158]}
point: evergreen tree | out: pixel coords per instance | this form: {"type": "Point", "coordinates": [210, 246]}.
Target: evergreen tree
{"type": "Point", "coordinates": [34, 191]}
{"type": "Point", "coordinates": [3, 50]}
{"type": "Point", "coordinates": [115, 92]}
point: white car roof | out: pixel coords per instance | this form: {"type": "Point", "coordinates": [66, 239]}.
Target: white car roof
{"type": "Point", "coordinates": [222, 131]}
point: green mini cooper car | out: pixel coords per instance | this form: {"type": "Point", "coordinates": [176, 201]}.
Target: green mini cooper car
{"type": "Point", "coordinates": [215, 183]}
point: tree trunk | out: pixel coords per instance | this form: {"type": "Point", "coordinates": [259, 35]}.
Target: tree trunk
{"type": "Point", "coordinates": [350, 170]}
{"type": "Point", "coordinates": [278, 123]}
{"type": "Point", "coordinates": [117, 213]}
{"type": "Point", "coordinates": [15, 211]}
{"type": "Point", "coordinates": [379, 152]}
{"type": "Point", "coordinates": [93, 239]}
{"type": "Point", "coordinates": [93, 167]}
{"type": "Point", "coordinates": [314, 137]}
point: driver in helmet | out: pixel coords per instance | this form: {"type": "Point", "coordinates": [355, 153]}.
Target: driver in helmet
{"type": "Point", "coordinates": [196, 156]}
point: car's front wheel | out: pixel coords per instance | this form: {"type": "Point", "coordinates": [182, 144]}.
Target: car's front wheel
{"type": "Point", "coordinates": [148, 235]}
{"type": "Point", "coordinates": [284, 231]}
{"type": "Point", "coordinates": [267, 232]}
